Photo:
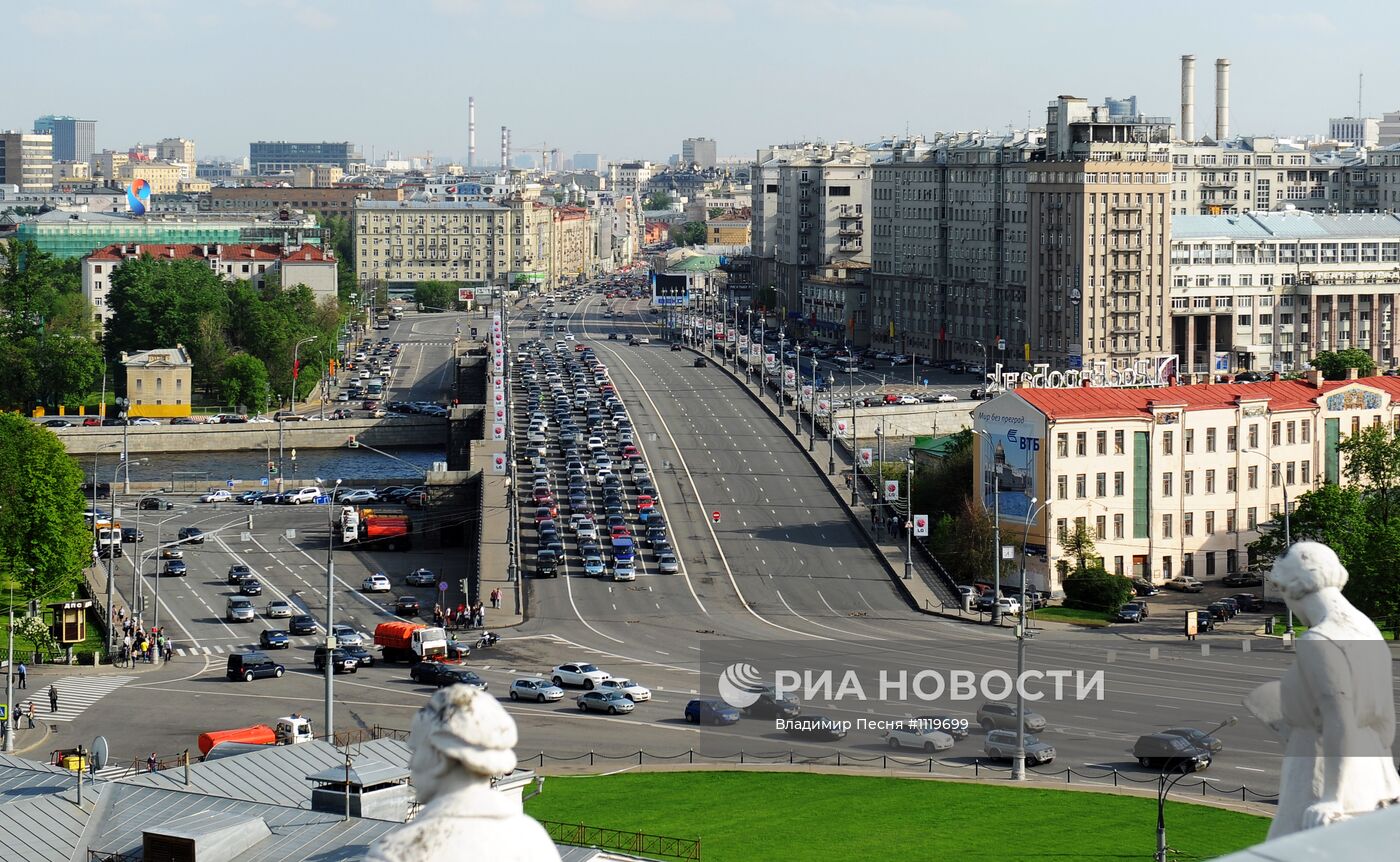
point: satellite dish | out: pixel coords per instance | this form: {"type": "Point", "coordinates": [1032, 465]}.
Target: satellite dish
{"type": "Point", "coordinates": [97, 758]}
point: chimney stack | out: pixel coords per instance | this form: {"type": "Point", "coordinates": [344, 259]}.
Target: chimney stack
{"type": "Point", "coordinates": [505, 150]}
{"type": "Point", "coordinates": [1188, 98]}
{"type": "Point", "coordinates": [471, 131]}
{"type": "Point", "coordinates": [1222, 99]}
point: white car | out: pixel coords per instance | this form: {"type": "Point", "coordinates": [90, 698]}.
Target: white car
{"type": "Point", "coordinates": [587, 530]}
{"type": "Point", "coordinates": [1008, 605]}
{"type": "Point", "coordinates": [602, 476]}
{"type": "Point", "coordinates": [908, 399]}
{"type": "Point", "coordinates": [624, 571]}
{"type": "Point", "coordinates": [918, 737]}
{"type": "Point", "coordinates": [539, 690]}
{"type": "Point", "coordinates": [346, 636]}
{"type": "Point", "coordinates": [627, 688]}
{"type": "Point", "coordinates": [144, 420]}
{"type": "Point", "coordinates": [303, 495]}
{"type": "Point", "coordinates": [945, 398]}
{"type": "Point", "coordinates": [596, 442]}
{"type": "Point", "coordinates": [359, 495]}
{"type": "Point", "coordinates": [667, 564]}
{"type": "Point", "coordinates": [278, 609]}
{"type": "Point", "coordinates": [220, 496]}
{"type": "Point", "coordinates": [376, 583]}
{"type": "Point", "coordinates": [578, 673]}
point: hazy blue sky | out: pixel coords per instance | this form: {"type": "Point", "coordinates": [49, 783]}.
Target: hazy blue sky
{"type": "Point", "coordinates": [630, 78]}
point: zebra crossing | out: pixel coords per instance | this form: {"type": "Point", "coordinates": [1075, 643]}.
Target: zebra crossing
{"type": "Point", "coordinates": [237, 648]}
{"type": "Point", "coordinates": [75, 695]}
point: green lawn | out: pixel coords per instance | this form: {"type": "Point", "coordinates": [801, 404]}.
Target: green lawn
{"type": "Point", "coordinates": [742, 816]}
{"type": "Point", "coordinates": [1073, 615]}
{"type": "Point", "coordinates": [24, 648]}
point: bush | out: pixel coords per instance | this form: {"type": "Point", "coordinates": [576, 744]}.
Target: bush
{"type": "Point", "coordinates": [1093, 589]}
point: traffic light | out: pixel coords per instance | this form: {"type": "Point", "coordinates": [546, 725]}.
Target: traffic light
{"type": "Point", "coordinates": [351, 442]}
{"type": "Point", "coordinates": [271, 468]}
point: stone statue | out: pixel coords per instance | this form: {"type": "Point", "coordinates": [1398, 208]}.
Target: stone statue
{"type": "Point", "coordinates": [461, 740]}
{"type": "Point", "coordinates": [1335, 706]}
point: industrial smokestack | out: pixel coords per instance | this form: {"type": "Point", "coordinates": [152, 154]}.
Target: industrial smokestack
{"type": "Point", "coordinates": [1188, 97]}
{"type": "Point", "coordinates": [1222, 99]}
{"type": "Point", "coordinates": [507, 147]}
{"type": "Point", "coordinates": [471, 131]}
{"type": "Point", "coordinates": [505, 150]}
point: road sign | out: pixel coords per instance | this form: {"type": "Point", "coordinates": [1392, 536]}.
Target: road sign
{"type": "Point", "coordinates": [921, 525]}
{"type": "Point", "coordinates": [230, 483]}
{"type": "Point", "coordinates": [263, 481]}
{"type": "Point", "coordinates": [891, 489]}
{"type": "Point", "coordinates": [714, 516]}
{"type": "Point", "coordinates": [323, 500]}
{"type": "Point", "coordinates": [4, 712]}
{"type": "Point", "coordinates": [1008, 552]}
{"type": "Point", "coordinates": [866, 455]}
{"type": "Point", "coordinates": [473, 331]}
{"type": "Point", "coordinates": [442, 586]}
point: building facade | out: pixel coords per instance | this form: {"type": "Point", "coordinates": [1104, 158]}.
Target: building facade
{"type": "Point", "coordinates": [75, 234]}
{"type": "Point", "coordinates": [732, 227]}
{"type": "Point", "coordinates": [26, 160]}
{"type": "Point", "coordinates": [629, 179]}
{"type": "Point", "coordinates": [1357, 131]}
{"type": "Point", "coordinates": [1166, 481]}
{"type": "Point", "coordinates": [159, 383]}
{"type": "Point", "coordinates": [329, 201]}
{"type": "Point", "coordinates": [699, 151]}
{"type": "Point", "coordinates": [836, 303]}
{"type": "Point", "coordinates": [400, 243]}
{"type": "Point", "coordinates": [272, 157]}
{"type": "Point", "coordinates": [164, 177]}
{"type": "Point", "coordinates": [74, 140]}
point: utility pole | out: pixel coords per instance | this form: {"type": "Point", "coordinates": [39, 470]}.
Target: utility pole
{"type": "Point", "coordinates": [996, 548]}
{"type": "Point", "coordinates": [909, 524]}
{"type": "Point", "coordinates": [330, 614]}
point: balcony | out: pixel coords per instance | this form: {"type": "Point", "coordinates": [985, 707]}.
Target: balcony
{"type": "Point", "coordinates": [1126, 206]}
{"type": "Point", "coordinates": [854, 246]}
{"type": "Point", "coordinates": [1126, 227]}
{"type": "Point", "coordinates": [851, 230]}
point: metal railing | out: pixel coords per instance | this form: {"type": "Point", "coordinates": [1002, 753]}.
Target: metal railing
{"type": "Point", "coordinates": [639, 843]}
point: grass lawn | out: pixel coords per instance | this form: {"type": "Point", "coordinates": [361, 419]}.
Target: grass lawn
{"type": "Point", "coordinates": [799, 816]}
{"type": "Point", "coordinates": [24, 648]}
{"type": "Point", "coordinates": [1073, 615]}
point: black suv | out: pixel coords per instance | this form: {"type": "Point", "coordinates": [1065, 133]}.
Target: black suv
{"type": "Point", "coordinates": [191, 535]}
{"type": "Point", "coordinates": [238, 573]}
{"type": "Point", "coordinates": [769, 705]}
{"type": "Point", "coordinates": [340, 661]}
{"type": "Point", "coordinates": [439, 674]}
{"type": "Point", "coordinates": [249, 666]}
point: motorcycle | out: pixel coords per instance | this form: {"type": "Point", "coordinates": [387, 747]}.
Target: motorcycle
{"type": "Point", "coordinates": [487, 639]}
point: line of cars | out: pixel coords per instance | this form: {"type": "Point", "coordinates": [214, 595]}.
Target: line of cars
{"type": "Point", "coordinates": [1219, 611]}
{"type": "Point", "coordinates": [572, 408]}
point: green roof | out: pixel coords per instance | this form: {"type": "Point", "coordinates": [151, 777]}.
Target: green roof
{"type": "Point", "coordinates": [697, 263]}
{"type": "Point", "coordinates": [937, 447]}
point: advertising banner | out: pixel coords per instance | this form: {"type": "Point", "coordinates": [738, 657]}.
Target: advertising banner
{"type": "Point", "coordinates": [891, 489]}
{"type": "Point", "coordinates": [921, 526]}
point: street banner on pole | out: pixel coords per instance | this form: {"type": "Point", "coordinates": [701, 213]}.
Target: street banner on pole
{"type": "Point", "coordinates": [866, 455]}
{"type": "Point", "coordinates": [891, 489]}
{"type": "Point", "coordinates": [921, 526]}
{"type": "Point", "coordinates": [498, 431]}
{"type": "Point", "coordinates": [789, 376]}
{"type": "Point", "coordinates": [823, 407]}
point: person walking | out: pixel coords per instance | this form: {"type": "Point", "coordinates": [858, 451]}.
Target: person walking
{"type": "Point", "coordinates": [23, 673]}
{"type": "Point", "coordinates": [53, 699]}
{"type": "Point", "coordinates": [496, 597]}
{"type": "Point", "coordinates": [29, 713]}
{"type": "Point", "coordinates": [151, 762]}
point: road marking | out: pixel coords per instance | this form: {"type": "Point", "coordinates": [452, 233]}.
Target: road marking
{"type": "Point", "coordinates": [75, 695]}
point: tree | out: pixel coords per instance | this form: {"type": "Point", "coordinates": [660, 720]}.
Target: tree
{"type": "Point", "coordinates": [966, 549]}
{"type": "Point", "coordinates": [46, 329]}
{"type": "Point", "coordinates": [1093, 589]}
{"type": "Point", "coordinates": [1079, 547]}
{"type": "Point", "coordinates": [690, 233]}
{"type": "Point", "coordinates": [1334, 363]}
{"type": "Point", "coordinates": [245, 382]}
{"type": "Point", "coordinates": [42, 533]}
{"type": "Point", "coordinates": [1372, 458]}
{"type": "Point", "coordinates": [658, 200]}
{"type": "Point", "coordinates": [160, 303]}
{"type": "Point", "coordinates": [942, 488]}
{"type": "Point", "coordinates": [436, 294]}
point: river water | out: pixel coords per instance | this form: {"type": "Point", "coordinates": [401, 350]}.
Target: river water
{"type": "Point", "coordinates": [216, 468]}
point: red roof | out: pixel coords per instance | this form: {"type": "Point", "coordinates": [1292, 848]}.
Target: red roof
{"type": "Point", "coordinates": [209, 251]}
{"type": "Point", "coordinates": [1091, 403]}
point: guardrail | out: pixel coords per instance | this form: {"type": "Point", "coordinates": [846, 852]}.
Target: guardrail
{"type": "Point", "coordinates": [1104, 778]}
{"type": "Point", "coordinates": [639, 843]}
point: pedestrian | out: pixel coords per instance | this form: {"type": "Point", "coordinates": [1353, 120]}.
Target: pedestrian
{"type": "Point", "coordinates": [145, 649]}
{"type": "Point", "coordinates": [23, 673]}
{"type": "Point", "coordinates": [169, 650]}
{"type": "Point", "coordinates": [151, 762]}
{"type": "Point", "coordinates": [53, 698]}
{"type": "Point", "coordinates": [29, 713]}
{"type": "Point", "coordinates": [496, 598]}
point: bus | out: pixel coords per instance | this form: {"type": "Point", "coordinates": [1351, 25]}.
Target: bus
{"type": "Point", "coordinates": [846, 364]}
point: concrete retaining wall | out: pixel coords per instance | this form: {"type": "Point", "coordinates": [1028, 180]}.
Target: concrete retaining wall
{"type": "Point", "coordinates": [390, 431]}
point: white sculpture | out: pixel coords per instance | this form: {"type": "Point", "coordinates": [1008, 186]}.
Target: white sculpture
{"type": "Point", "coordinates": [1334, 707]}
{"type": "Point", "coordinates": [461, 740]}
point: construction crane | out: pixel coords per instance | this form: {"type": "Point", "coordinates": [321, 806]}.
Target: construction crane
{"type": "Point", "coordinates": [548, 156]}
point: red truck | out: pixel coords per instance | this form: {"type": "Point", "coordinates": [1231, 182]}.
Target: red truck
{"type": "Point", "coordinates": [383, 530]}
{"type": "Point", "coordinates": [290, 730]}
{"type": "Point", "coordinates": [402, 641]}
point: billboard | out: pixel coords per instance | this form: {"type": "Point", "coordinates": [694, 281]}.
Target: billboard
{"type": "Point", "coordinates": [1011, 454]}
{"type": "Point", "coordinates": [138, 197]}
{"type": "Point", "coordinates": [670, 290]}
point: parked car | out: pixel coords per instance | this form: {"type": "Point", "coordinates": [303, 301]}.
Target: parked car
{"type": "Point", "coordinates": [918, 736]}
{"type": "Point", "coordinates": [1185, 584]}
{"type": "Point", "coordinates": [1002, 745]}
{"type": "Point", "coordinates": [1001, 715]}
{"type": "Point", "coordinates": [538, 690]}
{"type": "Point", "coordinates": [1248, 602]}
{"type": "Point", "coordinates": [1169, 753]}
{"type": "Point", "coordinates": [1129, 613]}
{"type": "Point", "coordinates": [1144, 587]}
{"type": "Point", "coordinates": [1242, 579]}
{"type": "Point", "coordinates": [216, 496]}
{"type": "Point", "coordinates": [1205, 621]}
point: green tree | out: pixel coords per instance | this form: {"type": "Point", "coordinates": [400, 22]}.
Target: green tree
{"type": "Point", "coordinates": [437, 294]}
{"type": "Point", "coordinates": [1372, 459]}
{"type": "Point", "coordinates": [1094, 589]}
{"type": "Point", "coordinates": [966, 549]}
{"type": "Point", "coordinates": [943, 487]}
{"type": "Point", "coordinates": [160, 303]}
{"type": "Point", "coordinates": [66, 367]}
{"type": "Point", "coordinates": [1334, 363]}
{"type": "Point", "coordinates": [245, 382]}
{"type": "Point", "coordinates": [45, 328]}
{"type": "Point", "coordinates": [41, 518]}
{"type": "Point", "coordinates": [658, 200]}
{"type": "Point", "coordinates": [715, 212]}
{"type": "Point", "coordinates": [340, 237]}
{"type": "Point", "coordinates": [690, 233]}
{"type": "Point", "coordinates": [1079, 547]}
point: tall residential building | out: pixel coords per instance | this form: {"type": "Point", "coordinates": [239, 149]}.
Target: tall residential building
{"type": "Point", "coordinates": [630, 178]}
{"type": "Point", "coordinates": [815, 214]}
{"type": "Point", "coordinates": [271, 157]}
{"type": "Point", "coordinates": [26, 160]}
{"type": "Point", "coordinates": [74, 140]}
{"type": "Point", "coordinates": [164, 177]}
{"type": "Point", "coordinates": [178, 151]}
{"type": "Point", "coordinates": [699, 151]}
{"type": "Point", "coordinates": [108, 164]}
{"type": "Point", "coordinates": [588, 162]}
{"type": "Point", "coordinates": [1358, 131]}
{"type": "Point", "coordinates": [949, 246]}
{"type": "Point", "coordinates": [1253, 173]}
{"type": "Point", "coordinates": [400, 243]}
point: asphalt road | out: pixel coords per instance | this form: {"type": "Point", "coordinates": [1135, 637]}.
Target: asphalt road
{"type": "Point", "coordinates": [781, 582]}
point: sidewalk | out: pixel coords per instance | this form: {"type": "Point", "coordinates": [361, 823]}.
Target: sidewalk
{"type": "Point", "coordinates": [891, 553]}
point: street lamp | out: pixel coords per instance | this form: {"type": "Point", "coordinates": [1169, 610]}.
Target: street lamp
{"type": "Point", "coordinates": [1164, 787]}
{"type": "Point", "coordinates": [855, 460]}
{"type": "Point", "coordinates": [11, 724]}
{"type": "Point", "coordinates": [122, 404]}
{"type": "Point", "coordinates": [292, 401]}
{"type": "Point", "coordinates": [1018, 763]}
{"type": "Point", "coordinates": [330, 609]}
{"type": "Point", "coordinates": [1287, 516]}
{"type": "Point", "coordinates": [95, 483]}
{"type": "Point", "coordinates": [996, 533]}
{"type": "Point", "coordinates": [138, 577]}
{"type": "Point", "coordinates": [831, 425]}
{"type": "Point", "coordinates": [909, 522]}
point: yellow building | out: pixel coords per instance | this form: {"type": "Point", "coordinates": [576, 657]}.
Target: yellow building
{"type": "Point", "coordinates": [164, 177]}
{"type": "Point", "coordinates": [728, 228]}
{"type": "Point", "coordinates": [158, 382]}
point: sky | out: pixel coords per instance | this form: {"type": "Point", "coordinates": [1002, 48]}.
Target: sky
{"type": "Point", "coordinates": [631, 78]}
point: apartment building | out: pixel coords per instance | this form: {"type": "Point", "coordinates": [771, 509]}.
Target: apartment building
{"type": "Point", "coordinates": [74, 140]}
{"type": "Point", "coordinates": [949, 245]}
{"type": "Point", "coordinates": [699, 151]}
{"type": "Point", "coordinates": [630, 178]}
{"type": "Point", "coordinates": [329, 201]}
{"type": "Point", "coordinates": [1267, 291]}
{"type": "Point", "coordinates": [1167, 481]}
{"type": "Point", "coordinates": [26, 160]}
{"type": "Point", "coordinates": [164, 177]}
{"type": "Point", "coordinates": [400, 243]}
{"type": "Point", "coordinates": [573, 246]}
{"type": "Point", "coordinates": [274, 157]}
{"type": "Point", "coordinates": [836, 303]}
{"type": "Point", "coordinates": [1256, 173]}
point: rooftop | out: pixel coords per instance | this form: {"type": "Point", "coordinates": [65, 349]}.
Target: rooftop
{"type": "Point", "coordinates": [165, 357]}
{"type": "Point", "coordinates": [1293, 224]}
{"type": "Point", "coordinates": [455, 204]}
{"type": "Point", "coordinates": [117, 252]}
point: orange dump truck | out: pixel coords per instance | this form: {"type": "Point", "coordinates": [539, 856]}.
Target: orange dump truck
{"type": "Point", "coordinates": [258, 734]}
{"type": "Point", "coordinates": [410, 641]}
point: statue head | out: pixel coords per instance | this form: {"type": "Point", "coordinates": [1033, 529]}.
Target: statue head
{"type": "Point", "coordinates": [1307, 568]}
{"type": "Point", "coordinates": [461, 731]}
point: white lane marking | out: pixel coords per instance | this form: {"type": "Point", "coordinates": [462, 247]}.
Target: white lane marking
{"type": "Point", "coordinates": [822, 625]}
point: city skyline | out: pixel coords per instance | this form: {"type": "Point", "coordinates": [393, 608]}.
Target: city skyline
{"type": "Point", "coordinates": [862, 89]}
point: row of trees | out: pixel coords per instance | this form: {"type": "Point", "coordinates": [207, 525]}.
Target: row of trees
{"type": "Point", "coordinates": [47, 353]}
{"type": "Point", "coordinates": [44, 542]}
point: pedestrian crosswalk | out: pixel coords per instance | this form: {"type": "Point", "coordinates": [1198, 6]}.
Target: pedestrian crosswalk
{"type": "Point", "coordinates": [75, 695]}
{"type": "Point", "coordinates": [217, 649]}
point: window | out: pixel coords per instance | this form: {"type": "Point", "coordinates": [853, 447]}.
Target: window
{"type": "Point", "coordinates": [1062, 487]}
{"type": "Point", "coordinates": [1166, 442]}
{"type": "Point", "coordinates": [1101, 485]}
{"type": "Point", "coordinates": [1167, 526]}
{"type": "Point", "coordinates": [1188, 524]}
{"type": "Point", "coordinates": [1118, 566]}
{"type": "Point", "coordinates": [1276, 433]}
{"type": "Point", "coordinates": [1080, 486]}
{"type": "Point", "coordinates": [1166, 484]}
{"type": "Point", "coordinates": [1210, 523]}
{"type": "Point", "coordinates": [1118, 442]}
{"type": "Point", "coordinates": [1188, 441]}
{"type": "Point", "coordinates": [1101, 443]}
{"type": "Point", "coordinates": [1230, 479]}
{"type": "Point", "coordinates": [1210, 481]}
{"type": "Point", "coordinates": [1210, 439]}
{"type": "Point", "coordinates": [1253, 436]}
{"type": "Point", "coordinates": [1118, 484]}
{"type": "Point", "coordinates": [1062, 445]}
{"type": "Point", "coordinates": [1275, 475]}
{"type": "Point", "coordinates": [1101, 528]}
{"type": "Point", "coordinates": [1061, 530]}
{"type": "Point", "coordinates": [1292, 429]}
{"type": "Point", "coordinates": [1081, 444]}
{"type": "Point", "coordinates": [1188, 483]}
{"type": "Point", "coordinates": [1118, 526]}
{"type": "Point", "coordinates": [1252, 518]}
{"type": "Point", "coordinates": [1307, 432]}
{"type": "Point", "coordinates": [1231, 438]}
{"type": "Point", "coordinates": [1305, 473]}
{"type": "Point", "coordinates": [1291, 473]}
{"type": "Point", "coordinates": [1188, 561]}
{"type": "Point", "coordinates": [1230, 521]}
{"type": "Point", "coordinates": [1253, 481]}
{"type": "Point", "coordinates": [1167, 568]}
{"type": "Point", "coordinates": [1210, 562]}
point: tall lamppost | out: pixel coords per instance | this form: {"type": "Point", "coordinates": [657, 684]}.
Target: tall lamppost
{"type": "Point", "coordinates": [330, 609]}
{"type": "Point", "coordinates": [1164, 787]}
{"type": "Point", "coordinates": [1018, 763]}
{"type": "Point", "coordinates": [909, 521]}
{"type": "Point", "coordinates": [296, 349]}
{"type": "Point", "coordinates": [122, 405]}
{"type": "Point", "coordinates": [138, 577]}
{"type": "Point", "coordinates": [95, 483]}
{"type": "Point", "coordinates": [831, 425]}
{"type": "Point", "coordinates": [1287, 515]}
{"type": "Point", "coordinates": [782, 365]}
{"type": "Point", "coordinates": [855, 461]}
